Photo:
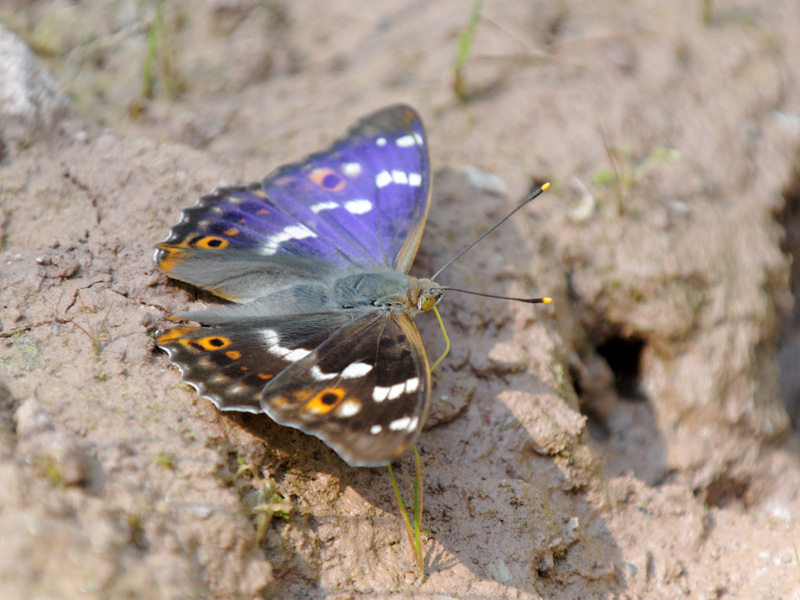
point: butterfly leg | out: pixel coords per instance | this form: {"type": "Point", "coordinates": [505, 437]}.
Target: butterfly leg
{"type": "Point", "coordinates": [446, 340]}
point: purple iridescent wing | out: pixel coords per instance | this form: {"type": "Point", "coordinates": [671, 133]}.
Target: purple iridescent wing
{"type": "Point", "coordinates": [361, 202]}
{"type": "Point", "coordinates": [367, 194]}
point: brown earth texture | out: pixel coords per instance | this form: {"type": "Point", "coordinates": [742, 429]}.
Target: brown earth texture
{"type": "Point", "coordinates": [636, 438]}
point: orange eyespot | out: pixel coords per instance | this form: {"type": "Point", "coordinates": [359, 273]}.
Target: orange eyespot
{"type": "Point", "coordinates": [211, 242]}
{"type": "Point", "coordinates": [212, 342]}
{"type": "Point", "coordinates": [232, 231]}
{"type": "Point", "coordinates": [233, 354]}
{"type": "Point", "coordinates": [264, 376]}
{"type": "Point", "coordinates": [327, 179]}
{"type": "Point", "coordinates": [325, 401]}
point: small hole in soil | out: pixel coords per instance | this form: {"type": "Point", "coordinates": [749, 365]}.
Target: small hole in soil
{"type": "Point", "coordinates": [789, 342]}
{"type": "Point", "coordinates": [724, 491]}
{"type": "Point", "coordinates": [624, 355]}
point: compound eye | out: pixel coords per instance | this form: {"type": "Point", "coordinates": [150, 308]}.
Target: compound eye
{"type": "Point", "coordinates": [426, 301]}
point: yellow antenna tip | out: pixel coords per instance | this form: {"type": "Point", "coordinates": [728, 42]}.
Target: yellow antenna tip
{"type": "Point", "coordinates": [547, 300]}
{"type": "Point", "coordinates": [546, 186]}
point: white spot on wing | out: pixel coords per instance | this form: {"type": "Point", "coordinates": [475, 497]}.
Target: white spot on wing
{"type": "Point", "coordinates": [406, 141]}
{"type": "Point", "coordinates": [358, 207]}
{"type": "Point", "coordinates": [270, 337]}
{"type": "Point", "coordinates": [413, 425]}
{"type": "Point", "coordinates": [297, 354]}
{"type": "Point", "coordinates": [379, 394]}
{"type": "Point", "coordinates": [319, 206]}
{"type": "Point", "coordinates": [351, 169]}
{"type": "Point", "coordinates": [419, 139]}
{"type": "Point", "coordinates": [357, 369]}
{"type": "Point", "coordinates": [381, 141]}
{"type": "Point", "coordinates": [400, 177]}
{"type": "Point", "coordinates": [292, 232]}
{"type": "Point", "coordinates": [319, 375]}
{"type": "Point", "coordinates": [397, 390]}
{"type": "Point", "coordinates": [383, 179]}
{"type": "Point", "coordinates": [414, 179]}
{"type": "Point", "coordinates": [375, 429]}
{"type": "Point", "coordinates": [400, 424]}
{"type": "Point", "coordinates": [272, 340]}
{"type": "Point", "coordinates": [279, 351]}
{"type": "Point", "coordinates": [348, 408]}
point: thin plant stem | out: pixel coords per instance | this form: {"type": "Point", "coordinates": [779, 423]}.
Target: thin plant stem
{"type": "Point", "coordinates": [418, 507]}
{"type": "Point", "coordinates": [414, 533]}
{"type": "Point", "coordinates": [465, 50]}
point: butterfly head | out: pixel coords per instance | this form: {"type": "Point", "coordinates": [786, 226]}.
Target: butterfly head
{"type": "Point", "coordinates": [425, 294]}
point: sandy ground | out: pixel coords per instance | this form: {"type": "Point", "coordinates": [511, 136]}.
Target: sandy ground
{"type": "Point", "coordinates": [635, 439]}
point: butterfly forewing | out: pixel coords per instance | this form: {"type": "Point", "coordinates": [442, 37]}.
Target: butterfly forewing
{"type": "Point", "coordinates": [234, 231]}
{"type": "Point", "coordinates": [361, 202]}
{"type": "Point", "coordinates": [364, 391]}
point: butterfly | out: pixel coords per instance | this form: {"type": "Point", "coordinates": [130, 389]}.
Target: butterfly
{"type": "Point", "coordinates": [319, 335]}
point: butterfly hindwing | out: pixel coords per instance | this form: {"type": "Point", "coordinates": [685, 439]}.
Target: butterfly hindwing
{"type": "Point", "coordinates": [363, 388]}
{"type": "Point", "coordinates": [364, 391]}
{"type": "Point", "coordinates": [231, 364]}
{"type": "Point", "coordinates": [363, 201]}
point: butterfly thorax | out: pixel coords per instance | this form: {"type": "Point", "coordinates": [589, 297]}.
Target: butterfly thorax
{"type": "Point", "coordinates": [393, 292]}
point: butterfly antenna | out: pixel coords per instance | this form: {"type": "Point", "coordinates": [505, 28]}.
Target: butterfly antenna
{"type": "Point", "coordinates": [487, 232]}
{"type": "Point", "coordinates": [544, 300]}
